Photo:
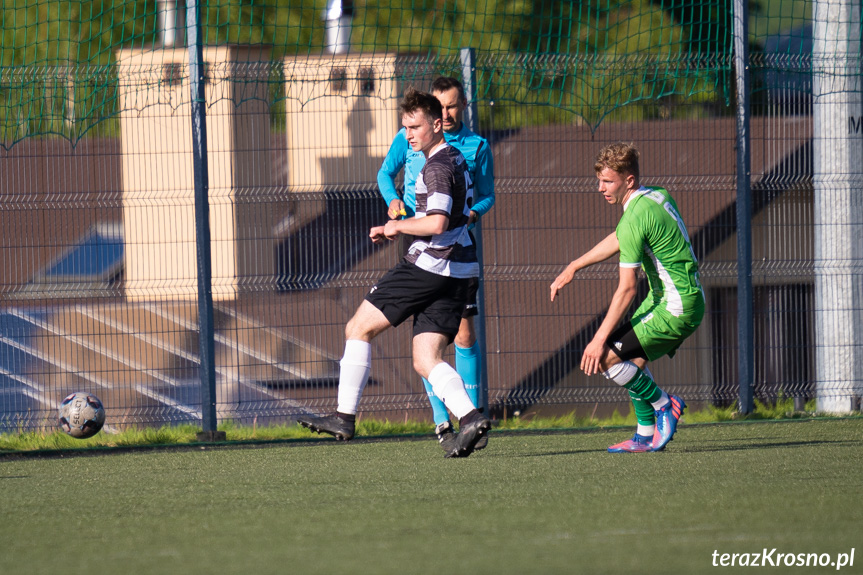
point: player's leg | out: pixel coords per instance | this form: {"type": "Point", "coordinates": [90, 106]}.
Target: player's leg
{"type": "Point", "coordinates": [434, 328]}
{"type": "Point", "coordinates": [439, 412]}
{"type": "Point", "coordinates": [443, 426]}
{"type": "Point", "coordinates": [354, 368]}
{"type": "Point", "coordinates": [645, 415]}
{"type": "Point", "coordinates": [428, 351]}
{"type": "Point", "coordinates": [625, 364]}
{"type": "Point", "coordinates": [387, 304]}
{"type": "Point", "coordinates": [661, 333]}
{"type": "Point", "coordinates": [626, 374]}
{"type": "Point", "coordinates": [467, 364]}
{"type": "Point", "coordinates": [468, 361]}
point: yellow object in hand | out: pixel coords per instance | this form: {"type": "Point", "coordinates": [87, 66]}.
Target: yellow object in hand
{"type": "Point", "coordinates": [402, 212]}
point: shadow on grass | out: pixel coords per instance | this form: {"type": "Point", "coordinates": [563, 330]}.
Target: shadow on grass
{"type": "Point", "coordinates": [735, 445]}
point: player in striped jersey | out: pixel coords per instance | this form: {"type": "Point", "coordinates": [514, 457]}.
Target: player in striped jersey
{"type": "Point", "coordinates": [480, 165]}
{"type": "Point", "coordinates": [650, 235]}
{"type": "Point", "coordinates": [431, 284]}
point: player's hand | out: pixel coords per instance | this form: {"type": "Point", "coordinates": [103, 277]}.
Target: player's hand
{"type": "Point", "coordinates": [564, 278]}
{"type": "Point", "coordinates": [591, 360]}
{"type": "Point", "coordinates": [391, 229]}
{"type": "Point", "coordinates": [396, 210]}
{"type": "Point", "coordinates": [377, 234]}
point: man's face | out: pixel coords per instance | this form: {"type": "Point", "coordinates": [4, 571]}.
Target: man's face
{"type": "Point", "coordinates": [614, 186]}
{"type": "Point", "coordinates": [453, 108]}
{"type": "Point", "coordinates": [421, 134]}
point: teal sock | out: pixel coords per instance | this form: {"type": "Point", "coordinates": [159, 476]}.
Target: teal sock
{"type": "Point", "coordinates": [644, 388]}
{"type": "Point", "coordinates": [467, 364]}
{"type": "Point", "coordinates": [644, 412]}
{"type": "Point", "coordinates": [439, 411]}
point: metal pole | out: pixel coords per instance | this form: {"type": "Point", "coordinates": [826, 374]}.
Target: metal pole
{"type": "Point", "coordinates": [745, 324]}
{"type": "Point", "coordinates": [471, 118]}
{"type": "Point", "coordinates": [202, 226]}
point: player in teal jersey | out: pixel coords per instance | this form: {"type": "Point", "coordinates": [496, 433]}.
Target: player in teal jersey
{"type": "Point", "coordinates": [475, 149]}
{"type": "Point", "coordinates": [650, 235]}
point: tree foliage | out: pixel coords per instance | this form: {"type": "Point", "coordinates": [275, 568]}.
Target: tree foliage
{"type": "Point", "coordinates": [589, 58]}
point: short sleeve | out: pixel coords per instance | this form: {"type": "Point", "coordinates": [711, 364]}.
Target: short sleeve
{"type": "Point", "coordinates": [631, 240]}
{"type": "Point", "coordinates": [438, 181]}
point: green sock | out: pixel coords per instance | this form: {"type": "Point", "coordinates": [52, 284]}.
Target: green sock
{"type": "Point", "coordinates": [644, 388]}
{"type": "Point", "coordinates": [644, 412]}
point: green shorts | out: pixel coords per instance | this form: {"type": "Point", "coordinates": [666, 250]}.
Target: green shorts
{"type": "Point", "coordinates": [661, 333]}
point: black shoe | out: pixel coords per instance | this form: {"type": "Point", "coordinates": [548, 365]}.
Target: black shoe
{"type": "Point", "coordinates": [336, 426]}
{"type": "Point", "coordinates": [468, 436]}
{"type": "Point", "coordinates": [482, 443]}
{"type": "Point", "coordinates": [445, 436]}
{"type": "Point", "coordinates": [483, 440]}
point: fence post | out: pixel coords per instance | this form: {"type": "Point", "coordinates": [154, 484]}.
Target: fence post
{"type": "Point", "coordinates": [471, 118]}
{"type": "Point", "coordinates": [837, 148]}
{"type": "Point", "coordinates": [745, 325]}
{"type": "Point", "coordinates": [202, 226]}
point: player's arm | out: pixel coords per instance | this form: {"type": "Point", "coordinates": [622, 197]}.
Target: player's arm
{"type": "Point", "coordinates": [591, 360]}
{"type": "Point", "coordinates": [483, 182]}
{"type": "Point", "coordinates": [598, 253]}
{"type": "Point", "coordinates": [393, 163]}
{"type": "Point", "coordinates": [429, 225]}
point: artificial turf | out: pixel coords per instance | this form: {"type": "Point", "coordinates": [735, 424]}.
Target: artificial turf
{"type": "Point", "coordinates": [529, 503]}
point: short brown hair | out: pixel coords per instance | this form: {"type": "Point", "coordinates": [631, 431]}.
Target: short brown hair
{"type": "Point", "coordinates": [447, 83]}
{"type": "Point", "coordinates": [415, 100]}
{"type": "Point", "coordinates": [620, 157]}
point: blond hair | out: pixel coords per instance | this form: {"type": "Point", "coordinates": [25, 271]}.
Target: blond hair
{"type": "Point", "coordinates": [619, 157]}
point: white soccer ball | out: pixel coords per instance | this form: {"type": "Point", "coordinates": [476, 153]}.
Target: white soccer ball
{"type": "Point", "coordinates": [82, 415]}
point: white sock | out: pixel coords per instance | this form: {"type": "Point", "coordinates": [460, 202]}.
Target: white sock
{"type": "Point", "coordinates": [621, 373]}
{"type": "Point", "coordinates": [449, 387]}
{"type": "Point", "coordinates": [661, 402]}
{"type": "Point", "coordinates": [353, 374]}
{"type": "Point", "coordinates": [645, 430]}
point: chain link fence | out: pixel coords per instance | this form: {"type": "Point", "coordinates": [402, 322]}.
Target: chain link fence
{"type": "Point", "coordinates": [97, 226]}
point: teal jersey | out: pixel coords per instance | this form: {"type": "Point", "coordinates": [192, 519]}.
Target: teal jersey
{"type": "Point", "coordinates": [652, 235]}
{"type": "Point", "coordinates": [475, 150]}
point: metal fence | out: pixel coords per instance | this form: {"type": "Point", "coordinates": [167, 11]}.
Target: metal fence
{"type": "Point", "coordinates": [100, 259]}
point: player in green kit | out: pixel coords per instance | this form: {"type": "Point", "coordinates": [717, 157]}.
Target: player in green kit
{"type": "Point", "coordinates": [650, 235]}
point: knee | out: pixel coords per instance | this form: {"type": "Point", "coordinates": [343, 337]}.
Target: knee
{"type": "Point", "coordinates": [465, 337]}
{"type": "Point", "coordinates": [349, 329]}
{"type": "Point", "coordinates": [420, 367]}
{"type": "Point", "coordinates": [424, 364]}
{"type": "Point", "coordinates": [355, 329]}
{"type": "Point", "coordinates": [464, 341]}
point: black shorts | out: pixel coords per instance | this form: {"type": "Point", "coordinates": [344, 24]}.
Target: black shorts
{"type": "Point", "coordinates": [436, 302]}
{"type": "Point", "coordinates": [625, 344]}
{"type": "Point", "coordinates": [470, 307]}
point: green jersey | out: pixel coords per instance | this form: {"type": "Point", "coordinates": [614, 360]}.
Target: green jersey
{"type": "Point", "coordinates": [652, 235]}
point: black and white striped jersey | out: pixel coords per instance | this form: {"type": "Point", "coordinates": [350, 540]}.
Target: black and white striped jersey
{"type": "Point", "coordinates": [444, 187]}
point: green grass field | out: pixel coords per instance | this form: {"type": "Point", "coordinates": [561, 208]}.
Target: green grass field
{"type": "Point", "coordinates": [530, 503]}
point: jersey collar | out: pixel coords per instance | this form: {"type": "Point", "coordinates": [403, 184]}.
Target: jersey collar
{"type": "Point", "coordinates": [458, 136]}
{"type": "Point", "coordinates": [439, 148]}
{"type": "Point", "coordinates": [637, 193]}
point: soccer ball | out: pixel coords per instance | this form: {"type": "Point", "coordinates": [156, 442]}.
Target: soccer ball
{"type": "Point", "coordinates": [82, 415]}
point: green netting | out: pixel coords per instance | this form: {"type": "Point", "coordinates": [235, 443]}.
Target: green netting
{"type": "Point", "coordinates": [596, 58]}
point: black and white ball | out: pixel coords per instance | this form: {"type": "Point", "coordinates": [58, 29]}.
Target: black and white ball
{"type": "Point", "coordinates": [82, 415]}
